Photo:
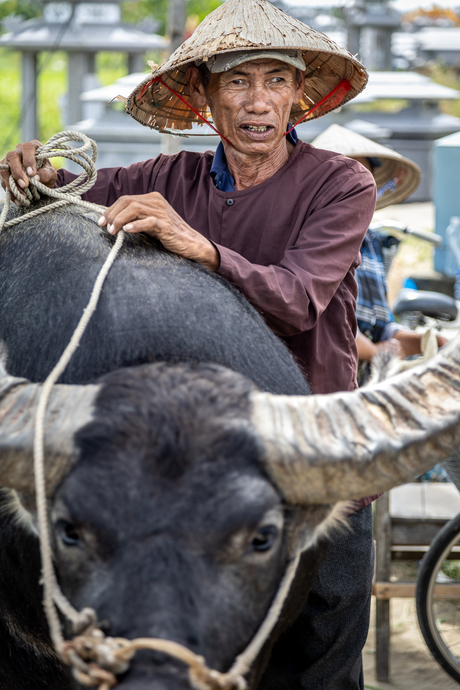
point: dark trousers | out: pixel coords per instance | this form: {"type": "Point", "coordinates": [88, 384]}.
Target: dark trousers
{"type": "Point", "coordinates": [322, 650]}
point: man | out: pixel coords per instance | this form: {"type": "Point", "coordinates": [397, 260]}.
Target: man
{"type": "Point", "coordinates": [282, 221]}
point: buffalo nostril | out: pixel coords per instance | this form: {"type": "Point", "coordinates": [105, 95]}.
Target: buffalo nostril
{"type": "Point", "coordinates": [192, 641]}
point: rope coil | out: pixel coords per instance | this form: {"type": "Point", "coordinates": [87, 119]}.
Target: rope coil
{"type": "Point", "coordinates": [95, 659]}
{"type": "Point", "coordinates": [69, 194]}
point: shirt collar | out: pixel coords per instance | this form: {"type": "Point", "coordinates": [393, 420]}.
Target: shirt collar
{"type": "Point", "coordinates": [220, 173]}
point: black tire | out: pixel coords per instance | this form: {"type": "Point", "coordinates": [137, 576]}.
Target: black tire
{"type": "Point", "coordinates": [439, 612]}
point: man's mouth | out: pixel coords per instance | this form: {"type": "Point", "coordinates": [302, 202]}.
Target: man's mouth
{"type": "Point", "coordinates": [254, 128]}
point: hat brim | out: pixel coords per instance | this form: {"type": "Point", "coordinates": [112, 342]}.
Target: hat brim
{"type": "Point", "coordinates": [406, 173]}
{"type": "Point", "coordinates": [249, 25]}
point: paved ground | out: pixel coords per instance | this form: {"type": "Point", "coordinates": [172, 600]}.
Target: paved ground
{"type": "Point", "coordinates": [419, 214]}
{"type": "Point", "coordinates": [411, 665]}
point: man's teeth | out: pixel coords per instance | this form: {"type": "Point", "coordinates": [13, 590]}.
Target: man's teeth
{"type": "Point", "coordinates": [253, 128]}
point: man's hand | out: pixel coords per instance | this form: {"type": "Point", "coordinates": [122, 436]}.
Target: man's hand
{"type": "Point", "coordinates": [151, 213]}
{"type": "Point", "coordinates": [23, 160]}
{"type": "Point", "coordinates": [411, 342]}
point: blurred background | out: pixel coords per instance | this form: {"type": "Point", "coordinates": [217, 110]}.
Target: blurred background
{"type": "Point", "coordinates": [63, 62]}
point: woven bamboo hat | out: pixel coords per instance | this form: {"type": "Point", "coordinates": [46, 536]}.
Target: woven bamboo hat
{"type": "Point", "coordinates": [396, 177]}
{"type": "Point", "coordinates": [333, 76]}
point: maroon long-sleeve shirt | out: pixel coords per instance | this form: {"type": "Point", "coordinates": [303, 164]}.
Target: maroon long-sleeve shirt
{"type": "Point", "coordinates": [291, 243]}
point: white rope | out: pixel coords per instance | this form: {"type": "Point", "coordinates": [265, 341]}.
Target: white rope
{"type": "Point", "coordinates": [69, 194]}
{"type": "Point", "coordinates": [112, 656]}
{"type": "Point", "coordinates": [244, 661]}
{"type": "Point", "coordinates": [50, 586]}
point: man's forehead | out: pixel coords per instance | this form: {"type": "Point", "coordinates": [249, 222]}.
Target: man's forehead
{"type": "Point", "coordinates": [265, 65]}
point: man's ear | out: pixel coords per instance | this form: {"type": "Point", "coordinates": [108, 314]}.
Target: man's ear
{"type": "Point", "coordinates": [196, 88]}
{"type": "Point", "coordinates": [300, 88]}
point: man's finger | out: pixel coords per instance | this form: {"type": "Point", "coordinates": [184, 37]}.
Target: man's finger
{"type": "Point", "coordinates": [118, 207]}
{"type": "Point", "coordinates": [47, 174]}
{"type": "Point", "coordinates": [29, 160]}
{"type": "Point", "coordinates": [132, 212]}
{"type": "Point", "coordinates": [144, 225]}
{"type": "Point", "coordinates": [14, 160]}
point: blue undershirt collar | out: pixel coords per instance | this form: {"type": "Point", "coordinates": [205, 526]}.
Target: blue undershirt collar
{"type": "Point", "coordinates": [220, 172]}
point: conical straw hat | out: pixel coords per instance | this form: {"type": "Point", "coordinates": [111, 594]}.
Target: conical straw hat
{"type": "Point", "coordinates": [248, 25]}
{"type": "Point", "coordinates": [400, 175]}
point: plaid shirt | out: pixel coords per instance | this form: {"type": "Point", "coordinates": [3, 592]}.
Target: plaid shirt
{"type": "Point", "coordinates": [372, 310]}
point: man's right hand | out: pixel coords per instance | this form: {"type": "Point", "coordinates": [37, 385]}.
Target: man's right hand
{"type": "Point", "coordinates": [23, 159]}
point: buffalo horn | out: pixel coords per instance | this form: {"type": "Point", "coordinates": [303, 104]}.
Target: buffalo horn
{"type": "Point", "coordinates": [69, 408]}
{"type": "Point", "coordinates": [325, 448]}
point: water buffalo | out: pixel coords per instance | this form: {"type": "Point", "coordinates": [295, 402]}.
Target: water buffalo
{"type": "Point", "coordinates": [180, 487]}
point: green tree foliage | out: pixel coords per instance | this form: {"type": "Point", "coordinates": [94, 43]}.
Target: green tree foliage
{"type": "Point", "coordinates": [138, 10]}
{"type": "Point", "coordinates": [27, 9]}
{"type": "Point", "coordinates": [132, 12]}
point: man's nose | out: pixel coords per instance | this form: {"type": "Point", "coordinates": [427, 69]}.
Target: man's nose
{"type": "Point", "coordinates": [258, 100]}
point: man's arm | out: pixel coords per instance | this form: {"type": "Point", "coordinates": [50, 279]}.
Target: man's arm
{"type": "Point", "coordinates": [112, 183]}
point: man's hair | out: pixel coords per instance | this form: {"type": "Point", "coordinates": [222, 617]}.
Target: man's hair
{"type": "Point", "coordinates": [206, 74]}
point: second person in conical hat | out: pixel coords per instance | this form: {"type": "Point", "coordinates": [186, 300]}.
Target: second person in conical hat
{"type": "Point", "coordinates": [396, 178]}
{"type": "Point", "coordinates": [282, 221]}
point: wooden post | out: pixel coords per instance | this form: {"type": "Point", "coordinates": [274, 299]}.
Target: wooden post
{"type": "Point", "coordinates": [382, 574]}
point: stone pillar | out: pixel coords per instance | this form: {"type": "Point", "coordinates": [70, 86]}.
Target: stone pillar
{"type": "Point", "coordinates": [176, 32]}
{"type": "Point", "coordinates": [78, 66]}
{"type": "Point", "coordinates": [29, 128]}
{"type": "Point", "coordinates": [137, 63]}
{"type": "Point", "coordinates": [353, 39]}
{"type": "Point", "coordinates": [91, 63]}
{"type": "Point", "coordinates": [176, 22]}
{"type": "Point", "coordinates": [387, 50]}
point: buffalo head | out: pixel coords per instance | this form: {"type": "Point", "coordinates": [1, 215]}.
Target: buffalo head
{"type": "Point", "coordinates": [179, 493]}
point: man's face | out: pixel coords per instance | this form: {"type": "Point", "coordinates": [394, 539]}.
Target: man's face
{"type": "Point", "coordinates": [251, 103]}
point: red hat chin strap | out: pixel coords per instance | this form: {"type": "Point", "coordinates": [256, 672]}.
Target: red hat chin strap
{"type": "Point", "coordinates": [333, 99]}
{"type": "Point", "coordinates": [160, 81]}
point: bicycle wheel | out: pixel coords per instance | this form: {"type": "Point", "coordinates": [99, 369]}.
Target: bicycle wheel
{"type": "Point", "coordinates": [438, 598]}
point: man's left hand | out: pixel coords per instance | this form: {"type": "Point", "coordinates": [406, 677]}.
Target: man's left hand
{"type": "Point", "coordinates": [151, 213]}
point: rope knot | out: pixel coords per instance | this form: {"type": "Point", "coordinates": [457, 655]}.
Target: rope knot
{"type": "Point", "coordinates": [93, 646]}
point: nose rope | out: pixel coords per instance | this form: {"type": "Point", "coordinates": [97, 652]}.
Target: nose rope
{"type": "Point", "coordinates": [95, 659]}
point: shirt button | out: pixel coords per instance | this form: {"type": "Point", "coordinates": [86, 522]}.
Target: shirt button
{"type": "Point", "coordinates": [230, 202]}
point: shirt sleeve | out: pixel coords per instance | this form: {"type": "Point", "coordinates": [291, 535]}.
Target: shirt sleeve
{"type": "Point", "coordinates": [112, 183]}
{"type": "Point", "coordinates": [293, 294]}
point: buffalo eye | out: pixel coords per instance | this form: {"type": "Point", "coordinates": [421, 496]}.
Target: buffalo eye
{"type": "Point", "coordinates": [67, 533]}
{"type": "Point", "coordinates": [265, 538]}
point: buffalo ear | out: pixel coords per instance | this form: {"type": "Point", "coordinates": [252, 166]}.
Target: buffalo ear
{"type": "Point", "coordinates": [326, 448]}
{"type": "Point", "coordinates": [69, 408]}
{"type": "Point", "coordinates": [312, 523]}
